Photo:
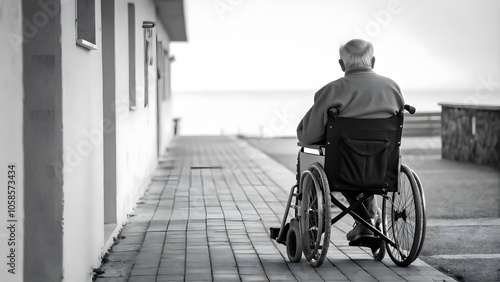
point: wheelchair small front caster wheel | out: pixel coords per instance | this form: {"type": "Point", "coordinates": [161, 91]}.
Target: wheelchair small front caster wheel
{"type": "Point", "coordinates": [294, 242]}
{"type": "Point", "coordinates": [379, 253]}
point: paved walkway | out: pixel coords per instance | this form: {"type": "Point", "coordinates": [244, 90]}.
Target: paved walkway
{"type": "Point", "coordinates": [206, 217]}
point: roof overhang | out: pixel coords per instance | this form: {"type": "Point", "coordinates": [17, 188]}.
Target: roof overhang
{"type": "Point", "coordinates": [171, 14]}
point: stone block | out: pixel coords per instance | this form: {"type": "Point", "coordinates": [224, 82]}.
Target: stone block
{"type": "Point", "coordinates": [471, 133]}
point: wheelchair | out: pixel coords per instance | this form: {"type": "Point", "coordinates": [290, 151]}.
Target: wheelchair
{"type": "Point", "coordinates": [361, 156]}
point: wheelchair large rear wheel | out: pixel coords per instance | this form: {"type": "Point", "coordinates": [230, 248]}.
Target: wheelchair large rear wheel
{"type": "Point", "coordinates": [422, 202]}
{"type": "Point", "coordinates": [402, 219]}
{"type": "Point", "coordinates": [315, 216]}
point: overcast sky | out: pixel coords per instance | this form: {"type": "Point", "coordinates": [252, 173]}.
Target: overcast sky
{"type": "Point", "coordinates": [293, 44]}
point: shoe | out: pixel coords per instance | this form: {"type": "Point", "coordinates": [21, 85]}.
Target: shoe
{"type": "Point", "coordinates": [359, 231]}
{"type": "Point", "coordinates": [378, 219]}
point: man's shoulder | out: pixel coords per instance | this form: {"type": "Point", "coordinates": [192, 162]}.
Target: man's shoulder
{"type": "Point", "coordinates": [337, 82]}
{"type": "Point", "coordinates": [379, 76]}
{"type": "Point", "coordinates": [347, 81]}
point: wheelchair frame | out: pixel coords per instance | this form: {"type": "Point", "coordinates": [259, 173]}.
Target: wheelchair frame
{"type": "Point", "coordinates": [309, 229]}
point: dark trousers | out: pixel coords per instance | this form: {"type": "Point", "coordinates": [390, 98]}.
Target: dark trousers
{"type": "Point", "coordinates": [367, 210]}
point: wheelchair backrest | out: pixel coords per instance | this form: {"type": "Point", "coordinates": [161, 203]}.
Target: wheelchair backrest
{"type": "Point", "coordinates": [363, 154]}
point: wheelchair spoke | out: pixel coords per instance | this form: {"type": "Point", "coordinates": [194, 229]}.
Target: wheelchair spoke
{"type": "Point", "coordinates": [410, 208]}
{"type": "Point", "coordinates": [408, 229]}
{"type": "Point", "coordinates": [406, 239]}
{"type": "Point", "coordinates": [409, 199]}
{"type": "Point", "coordinates": [314, 201]}
{"type": "Point", "coordinates": [403, 243]}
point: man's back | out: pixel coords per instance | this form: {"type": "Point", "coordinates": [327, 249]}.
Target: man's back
{"type": "Point", "coordinates": [360, 94]}
{"type": "Point", "coordinates": [365, 94]}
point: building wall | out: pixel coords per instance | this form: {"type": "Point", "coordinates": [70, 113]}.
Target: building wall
{"type": "Point", "coordinates": [53, 120]}
{"type": "Point", "coordinates": [135, 129]}
{"type": "Point", "coordinates": [165, 106]}
{"type": "Point", "coordinates": [83, 149]}
{"type": "Point", "coordinates": [109, 114]}
{"type": "Point", "coordinates": [11, 123]}
{"type": "Point", "coordinates": [135, 134]}
{"type": "Point", "coordinates": [42, 141]}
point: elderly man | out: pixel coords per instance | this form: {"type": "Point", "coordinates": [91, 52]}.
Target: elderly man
{"type": "Point", "coordinates": [361, 93]}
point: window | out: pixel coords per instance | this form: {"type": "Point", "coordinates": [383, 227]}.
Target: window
{"type": "Point", "coordinates": [85, 24]}
{"type": "Point", "coordinates": [148, 56]}
{"type": "Point", "coordinates": [131, 57]}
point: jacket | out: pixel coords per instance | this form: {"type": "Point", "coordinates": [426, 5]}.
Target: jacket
{"type": "Point", "coordinates": [361, 93]}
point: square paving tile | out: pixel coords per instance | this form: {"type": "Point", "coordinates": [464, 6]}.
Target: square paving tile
{"type": "Point", "coordinates": [142, 279]}
{"type": "Point", "coordinates": [113, 279]}
{"type": "Point", "coordinates": [170, 277]}
{"type": "Point", "coordinates": [149, 271]}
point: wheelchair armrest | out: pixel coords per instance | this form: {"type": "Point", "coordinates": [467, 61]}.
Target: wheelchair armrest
{"type": "Point", "coordinates": [312, 146]}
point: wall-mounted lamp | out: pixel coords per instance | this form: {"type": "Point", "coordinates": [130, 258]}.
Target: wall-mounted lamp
{"type": "Point", "coordinates": [148, 40]}
{"type": "Point", "coordinates": [148, 24]}
{"type": "Point", "coordinates": [148, 55]}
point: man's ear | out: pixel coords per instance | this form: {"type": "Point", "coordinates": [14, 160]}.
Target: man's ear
{"type": "Point", "coordinates": [342, 66]}
{"type": "Point", "coordinates": [373, 62]}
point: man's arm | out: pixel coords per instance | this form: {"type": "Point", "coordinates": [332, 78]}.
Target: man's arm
{"type": "Point", "coordinates": [311, 129]}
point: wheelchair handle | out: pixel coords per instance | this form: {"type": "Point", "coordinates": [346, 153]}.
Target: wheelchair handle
{"type": "Point", "coordinates": [334, 112]}
{"type": "Point", "coordinates": [410, 109]}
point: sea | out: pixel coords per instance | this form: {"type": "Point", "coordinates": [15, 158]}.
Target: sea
{"type": "Point", "coordinates": [272, 113]}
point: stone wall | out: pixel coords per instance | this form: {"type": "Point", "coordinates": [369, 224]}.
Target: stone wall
{"type": "Point", "coordinates": [471, 133]}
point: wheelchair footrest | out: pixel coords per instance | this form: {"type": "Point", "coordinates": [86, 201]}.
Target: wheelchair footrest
{"type": "Point", "coordinates": [273, 232]}
{"type": "Point", "coordinates": [366, 241]}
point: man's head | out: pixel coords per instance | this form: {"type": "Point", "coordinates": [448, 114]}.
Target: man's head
{"type": "Point", "coordinates": [356, 53]}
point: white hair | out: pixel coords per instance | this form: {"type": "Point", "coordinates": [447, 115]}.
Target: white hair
{"type": "Point", "coordinates": [356, 53]}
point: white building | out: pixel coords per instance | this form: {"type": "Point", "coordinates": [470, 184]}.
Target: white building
{"type": "Point", "coordinates": [85, 113]}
